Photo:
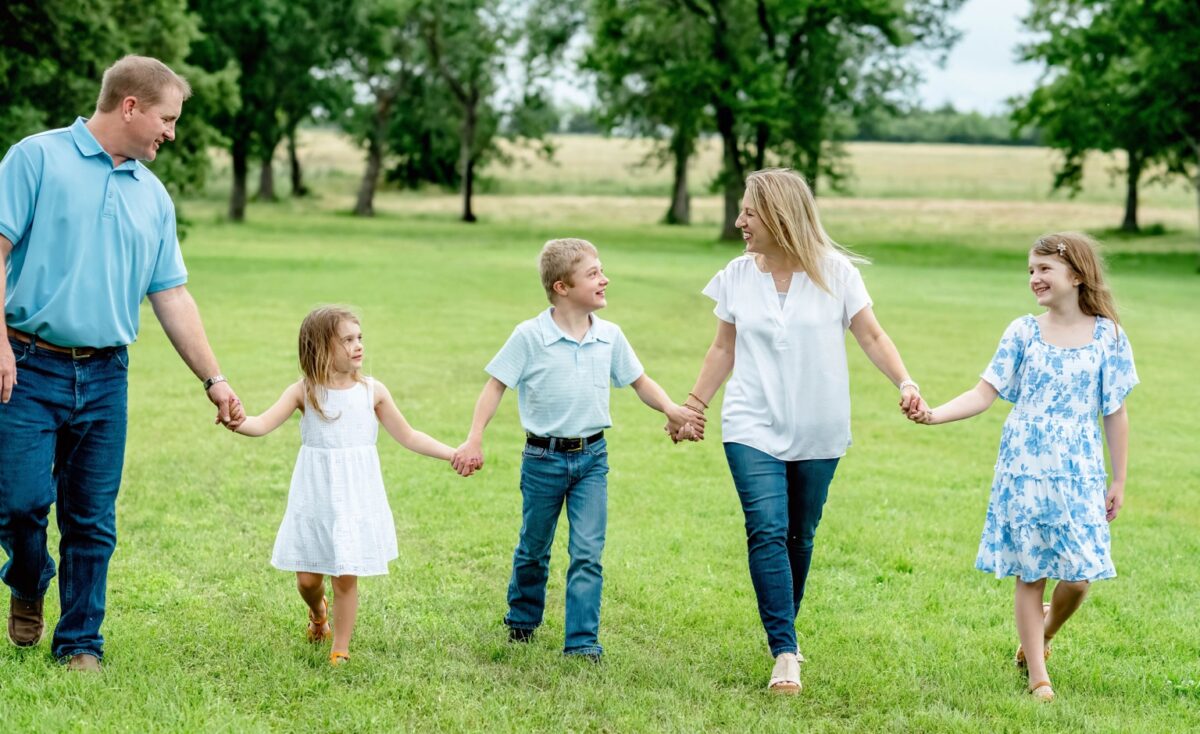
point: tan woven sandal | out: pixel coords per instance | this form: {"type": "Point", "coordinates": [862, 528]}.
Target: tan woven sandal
{"type": "Point", "coordinates": [785, 677]}
{"type": "Point", "coordinates": [318, 628]}
{"type": "Point", "coordinates": [1042, 691]}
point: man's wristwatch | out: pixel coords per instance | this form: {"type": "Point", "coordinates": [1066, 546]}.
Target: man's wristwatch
{"type": "Point", "coordinates": [212, 381]}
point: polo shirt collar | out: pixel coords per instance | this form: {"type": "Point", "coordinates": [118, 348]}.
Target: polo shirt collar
{"type": "Point", "coordinates": [552, 333]}
{"type": "Point", "coordinates": [90, 147]}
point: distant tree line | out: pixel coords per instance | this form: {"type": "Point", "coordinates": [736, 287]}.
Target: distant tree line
{"type": "Point", "coordinates": [429, 88]}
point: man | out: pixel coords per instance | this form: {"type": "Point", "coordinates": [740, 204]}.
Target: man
{"type": "Point", "coordinates": [86, 232]}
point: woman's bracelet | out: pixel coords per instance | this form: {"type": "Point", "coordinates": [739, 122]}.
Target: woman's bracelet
{"type": "Point", "coordinates": [698, 400]}
{"type": "Point", "coordinates": [909, 383]}
{"type": "Point", "coordinates": [693, 408]}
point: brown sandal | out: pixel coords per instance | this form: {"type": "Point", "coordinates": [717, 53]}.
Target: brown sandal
{"type": "Point", "coordinates": [1019, 657]}
{"type": "Point", "coordinates": [1042, 691]}
{"type": "Point", "coordinates": [336, 658]}
{"type": "Point", "coordinates": [318, 629]}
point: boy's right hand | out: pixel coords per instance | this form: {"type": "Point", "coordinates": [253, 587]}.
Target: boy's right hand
{"type": "Point", "coordinates": [467, 459]}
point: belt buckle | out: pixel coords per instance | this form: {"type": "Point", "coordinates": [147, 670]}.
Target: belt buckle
{"type": "Point", "coordinates": [81, 352]}
{"type": "Point", "coordinates": [576, 445]}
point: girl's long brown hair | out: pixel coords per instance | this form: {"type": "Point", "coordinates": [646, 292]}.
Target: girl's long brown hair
{"type": "Point", "coordinates": [1082, 255]}
{"type": "Point", "coordinates": [788, 210]}
{"type": "Point", "coordinates": [318, 339]}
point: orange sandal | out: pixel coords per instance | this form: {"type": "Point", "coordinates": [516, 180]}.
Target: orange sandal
{"type": "Point", "coordinates": [318, 629]}
{"type": "Point", "coordinates": [337, 658]}
{"type": "Point", "coordinates": [1019, 657]}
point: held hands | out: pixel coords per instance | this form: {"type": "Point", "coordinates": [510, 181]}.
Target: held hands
{"type": "Point", "coordinates": [230, 412]}
{"type": "Point", "coordinates": [467, 458]}
{"type": "Point", "coordinates": [684, 423]}
{"type": "Point", "coordinates": [913, 406]}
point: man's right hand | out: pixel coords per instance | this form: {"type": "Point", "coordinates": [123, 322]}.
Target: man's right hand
{"type": "Point", "coordinates": [8, 371]}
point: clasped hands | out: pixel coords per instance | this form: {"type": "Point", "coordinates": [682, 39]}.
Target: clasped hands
{"type": "Point", "coordinates": [684, 423]}
{"type": "Point", "coordinates": [914, 407]}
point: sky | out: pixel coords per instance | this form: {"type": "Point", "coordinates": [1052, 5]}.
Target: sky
{"type": "Point", "coordinates": [981, 71]}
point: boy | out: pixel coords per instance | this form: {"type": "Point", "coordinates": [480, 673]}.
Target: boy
{"type": "Point", "coordinates": [562, 363]}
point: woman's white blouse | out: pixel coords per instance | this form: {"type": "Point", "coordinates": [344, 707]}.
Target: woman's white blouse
{"type": "Point", "coordinates": [789, 395]}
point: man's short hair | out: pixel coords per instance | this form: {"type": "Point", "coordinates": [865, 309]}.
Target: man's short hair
{"type": "Point", "coordinates": [559, 258]}
{"type": "Point", "coordinates": [138, 76]}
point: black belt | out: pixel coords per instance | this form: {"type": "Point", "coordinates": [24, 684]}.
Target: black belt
{"type": "Point", "coordinates": [553, 443]}
{"type": "Point", "coordinates": [75, 352]}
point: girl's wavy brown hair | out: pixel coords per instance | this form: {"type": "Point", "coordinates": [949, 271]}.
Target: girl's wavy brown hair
{"type": "Point", "coordinates": [318, 340]}
{"type": "Point", "coordinates": [1081, 253]}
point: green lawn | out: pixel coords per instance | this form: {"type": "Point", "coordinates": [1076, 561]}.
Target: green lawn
{"type": "Point", "coordinates": [900, 631]}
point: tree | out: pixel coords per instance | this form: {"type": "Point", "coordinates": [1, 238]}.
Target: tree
{"type": "Point", "coordinates": [790, 72]}
{"type": "Point", "coordinates": [1093, 95]}
{"type": "Point", "coordinates": [653, 81]}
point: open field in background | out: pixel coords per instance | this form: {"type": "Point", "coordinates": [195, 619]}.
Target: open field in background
{"type": "Point", "coordinates": [590, 164]}
{"type": "Point", "coordinates": [900, 632]}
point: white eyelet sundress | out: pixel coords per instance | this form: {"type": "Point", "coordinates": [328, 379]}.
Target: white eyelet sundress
{"type": "Point", "coordinates": [338, 521]}
{"type": "Point", "coordinates": [1046, 514]}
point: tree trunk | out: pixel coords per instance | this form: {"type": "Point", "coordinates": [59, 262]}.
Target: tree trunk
{"type": "Point", "coordinates": [680, 211]}
{"type": "Point", "coordinates": [467, 160]}
{"type": "Point", "coordinates": [365, 206]}
{"type": "Point", "coordinates": [1133, 173]}
{"type": "Point", "coordinates": [237, 196]}
{"type": "Point", "coordinates": [732, 175]}
{"type": "Point", "coordinates": [266, 177]}
{"type": "Point", "coordinates": [298, 187]}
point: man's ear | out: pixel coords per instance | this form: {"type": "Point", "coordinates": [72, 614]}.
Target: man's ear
{"type": "Point", "coordinates": [127, 107]}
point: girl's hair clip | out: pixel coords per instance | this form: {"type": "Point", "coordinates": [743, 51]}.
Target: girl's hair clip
{"type": "Point", "coordinates": [1062, 249]}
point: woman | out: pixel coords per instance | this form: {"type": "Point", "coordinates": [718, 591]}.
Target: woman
{"type": "Point", "coordinates": [782, 309]}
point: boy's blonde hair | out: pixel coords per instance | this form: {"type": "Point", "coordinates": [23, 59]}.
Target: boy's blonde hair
{"type": "Point", "coordinates": [787, 208]}
{"type": "Point", "coordinates": [318, 339]}
{"type": "Point", "coordinates": [138, 76]}
{"type": "Point", "coordinates": [1082, 255]}
{"type": "Point", "coordinates": [559, 259]}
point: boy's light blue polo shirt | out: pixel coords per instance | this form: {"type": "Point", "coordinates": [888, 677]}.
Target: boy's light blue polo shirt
{"type": "Point", "coordinates": [562, 385]}
{"type": "Point", "coordinates": [89, 240]}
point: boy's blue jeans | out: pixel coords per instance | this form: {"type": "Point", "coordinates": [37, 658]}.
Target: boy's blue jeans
{"type": "Point", "coordinates": [782, 502]}
{"type": "Point", "coordinates": [548, 479]}
{"type": "Point", "coordinates": [62, 440]}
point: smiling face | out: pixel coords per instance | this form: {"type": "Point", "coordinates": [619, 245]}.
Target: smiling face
{"type": "Point", "coordinates": [754, 232]}
{"type": "Point", "coordinates": [1052, 281]}
{"type": "Point", "coordinates": [348, 349]}
{"type": "Point", "coordinates": [587, 287]}
{"type": "Point", "coordinates": [147, 126]}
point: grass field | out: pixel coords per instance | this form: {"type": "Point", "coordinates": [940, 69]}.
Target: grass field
{"type": "Point", "coordinates": [900, 632]}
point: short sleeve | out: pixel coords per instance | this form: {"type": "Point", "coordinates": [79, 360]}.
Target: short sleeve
{"type": "Point", "coordinates": [508, 366]}
{"type": "Point", "coordinates": [1117, 373]}
{"type": "Point", "coordinates": [169, 270]}
{"type": "Point", "coordinates": [625, 365]}
{"type": "Point", "coordinates": [854, 296]}
{"type": "Point", "coordinates": [1004, 371]}
{"type": "Point", "coordinates": [18, 193]}
{"type": "Point", "coordinates": [718, 290]}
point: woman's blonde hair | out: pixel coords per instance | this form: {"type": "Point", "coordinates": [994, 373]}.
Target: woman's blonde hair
{"type": "Point", "coordinates": [1082, 255]}
{"type": "Point", "coordinates": [787, 208]}
{"type": "Point", "coordinates": [559, 259]}
{"type": "Point", "coordinates": [318, 340]}
{"type": "Point", "coordinates": [138, 76]}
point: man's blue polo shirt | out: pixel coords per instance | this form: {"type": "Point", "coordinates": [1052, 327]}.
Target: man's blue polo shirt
{"type": "Point", "coordinates": [89, 240]}
{"type": "Point", "coordinates": [562, 384]}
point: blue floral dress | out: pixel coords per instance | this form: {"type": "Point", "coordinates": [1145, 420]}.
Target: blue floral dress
{"type": "Point", "coordinates": [1046, 515]}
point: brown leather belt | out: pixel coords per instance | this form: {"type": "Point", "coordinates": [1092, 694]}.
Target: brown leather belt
{"type": "Point", "coordinates": [75, 352]}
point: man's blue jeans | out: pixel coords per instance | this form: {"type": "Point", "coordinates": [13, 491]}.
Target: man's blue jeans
{"type": "Point", "coordinates": [782, 502]}
{"type": "Point", "coordinates": [548, 479]}
{"type": "Point", "coordinates": [62, 440]}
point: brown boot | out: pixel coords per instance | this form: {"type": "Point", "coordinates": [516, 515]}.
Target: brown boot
{"type": "Point", "coordinates": [25, 622]}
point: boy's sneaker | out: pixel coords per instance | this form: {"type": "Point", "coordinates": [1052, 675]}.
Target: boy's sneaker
{"type": "Point", "coordinates": [519, 634]}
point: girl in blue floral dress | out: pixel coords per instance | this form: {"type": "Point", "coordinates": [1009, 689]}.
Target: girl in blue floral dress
{"type": "Point", "coordinates": [1051, 500]}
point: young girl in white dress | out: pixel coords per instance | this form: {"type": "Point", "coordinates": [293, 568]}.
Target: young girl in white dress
{"type": "Point", "coordinates": [1051, 502]}
{"type": "Point", "coordinates": [338, 522]}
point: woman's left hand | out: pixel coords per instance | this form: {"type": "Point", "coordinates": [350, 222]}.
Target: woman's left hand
{"type": "Point", "coordinates": [1113, 500]}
